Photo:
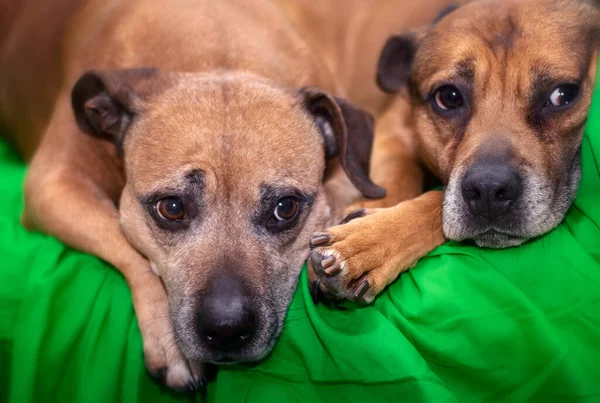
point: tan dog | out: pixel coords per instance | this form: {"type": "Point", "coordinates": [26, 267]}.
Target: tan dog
{"type": "Point", "coordinates": [499, 92]}
{"type": "Point", "coordinates": [222, 163]}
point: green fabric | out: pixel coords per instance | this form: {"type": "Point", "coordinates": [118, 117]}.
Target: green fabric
{"type": "Point", "coordinates": [465, 325]}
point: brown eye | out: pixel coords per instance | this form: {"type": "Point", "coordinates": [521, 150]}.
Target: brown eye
{"type": "Point", "coordinates": [448, 97]}
{"type": "Point", "coordinates": [170, 208]}
{"type": "Point", "coordinates": [286, 209]}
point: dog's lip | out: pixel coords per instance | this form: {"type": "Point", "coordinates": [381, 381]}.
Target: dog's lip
{"type": "Point", "coordinates": [497, 232]}
{"type": "Point", "coordinates": [494, 231]}
{"type": "Point", "coordinates": [226, 361]}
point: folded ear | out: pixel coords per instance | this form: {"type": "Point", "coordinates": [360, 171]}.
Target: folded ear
{"type": "Point", "coordinates": [396, 61]}
{"type": "Point", "coordinates": [104, 102]}
{"type": "Point", "coordinates": [398, 55]}
{"type": "Point", "coordinates": [348, 134]}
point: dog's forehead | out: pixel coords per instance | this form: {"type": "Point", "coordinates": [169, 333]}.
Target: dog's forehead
{"type": "Point", "coordinates": [239, 132]}
{"type": "Point", "coordinates": [507, 56]}
{"type": "Point", "coordinates": [553, 34]}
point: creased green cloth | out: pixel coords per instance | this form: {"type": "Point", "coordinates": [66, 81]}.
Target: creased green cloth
{"type": "Point", "coordinates": [465, 325]}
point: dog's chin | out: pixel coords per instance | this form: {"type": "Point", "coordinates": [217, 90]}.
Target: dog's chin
{"type": "Point", "coordinates": [498, 240]}
{"type": "Point", "coordinates": [513, 231]}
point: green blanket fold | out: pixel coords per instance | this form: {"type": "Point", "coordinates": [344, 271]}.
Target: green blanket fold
{"type": "Point", "coordinates": [466, 325]}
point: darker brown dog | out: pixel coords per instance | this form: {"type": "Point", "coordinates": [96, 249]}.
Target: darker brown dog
{"type": "Point", "coordinates": [498, 96]}
{"type": "Point", "coordinates": [202, 180]}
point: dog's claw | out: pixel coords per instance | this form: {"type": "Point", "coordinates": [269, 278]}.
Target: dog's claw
{"type": "Point", "coordinates": [315, 292]}
{"type": "Point", "coordinates": [328, 261]}
{"type": "Point", "coordinates": [202, 383]}
{"type": "Point", "coordinates": [318, 295]}
{"type": "Point", "coordinates": [316, 259]}
{"type": "Point", "coordinates": [361, 212]}
{"type": "Point", "coordinates": [319, 239]}
{"type": "Point", "coordinates": [362, 288]}
{"type": "Point", "coordinates": [191, 392]}
{"type": "Point", "coordinates": [325, 265]}
{"type": "Point", "coordinates": [333, 270]}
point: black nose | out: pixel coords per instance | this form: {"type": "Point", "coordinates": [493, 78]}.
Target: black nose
{"type": "Point", "coordinates": [490, 189]}
{"type": "Point", "coordinates": [226, 321]}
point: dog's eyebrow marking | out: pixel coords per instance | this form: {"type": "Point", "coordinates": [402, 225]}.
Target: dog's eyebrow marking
{"type": "Point", "coordinates": [196, 177]}
{"type": "Point", "coordinates": [541, 80]}
{"type": "Point", "coordinates": [270, 192]}
{"type": "Point", "coordinates": [192, 184]}
{"type": "Point", "coordinates": [465, 70]}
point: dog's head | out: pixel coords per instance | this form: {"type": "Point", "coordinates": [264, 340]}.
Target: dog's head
{"type": "Point", "coordinates": [226, 179]}
{"type": "Point", "coordinates": [500, 91]}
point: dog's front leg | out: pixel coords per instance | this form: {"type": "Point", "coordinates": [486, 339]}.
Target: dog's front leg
{"type": "Point", "coordinates": [358, 259]}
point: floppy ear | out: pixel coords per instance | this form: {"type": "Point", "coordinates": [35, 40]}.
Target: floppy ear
{"type": "Point", "coordinates": [105, 102]}
{"type": "Point", "coordinates": [396, 61]}
{"type": "Point", "coordinates": [398, 55]}
{"type": "Point", "coordinates": [348, 134]}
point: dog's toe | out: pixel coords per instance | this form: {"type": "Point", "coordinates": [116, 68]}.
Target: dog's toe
{"type": "Point", "coordinates": [319, 239]}
{"type": "Point", "coordinates": [352, 261]}
{"type": "Point", "coordinates": [328, 264]}
{"type": "Point", "coordinates": [361, 289]}
{"type": "Point", "coordinates": [167, 365]}
{"type": "Point", "coordinates": [367, 288]}
{"type": "Point", "coordinates": [179, 376]}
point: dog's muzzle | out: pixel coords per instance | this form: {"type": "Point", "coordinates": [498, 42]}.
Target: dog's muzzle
{"type": "Point", "coordinates": [485, 202]}
{"type": "Point", "coordinates": [490, 189]}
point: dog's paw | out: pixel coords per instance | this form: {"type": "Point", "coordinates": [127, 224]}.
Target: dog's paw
{"type": "Point", "coordinates": [353, 261]}
{"type": "Point", "coordinates": [168, 366]}
{"type": "Point", "coordinates": [356, 260]}
{"type": "Point", "coordinates": [163, 357]}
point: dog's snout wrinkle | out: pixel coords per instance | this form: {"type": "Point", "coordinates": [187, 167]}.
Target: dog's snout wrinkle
{"type": "Point", "coordinates": [490, 189]}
